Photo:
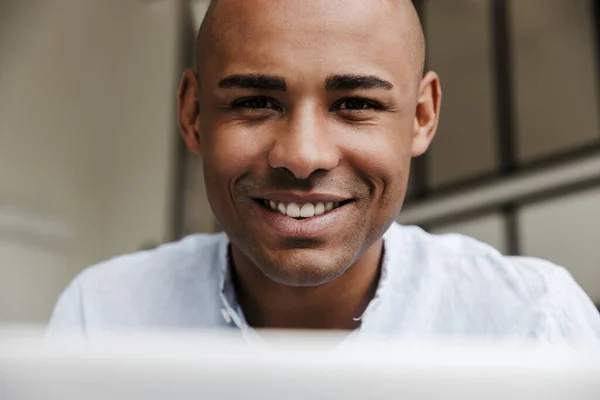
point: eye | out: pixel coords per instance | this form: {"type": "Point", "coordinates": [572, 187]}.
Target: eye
{"type": "Point", "coordinates": [356, 104]}
{"type": "Point", "coordinates": [256, 103]}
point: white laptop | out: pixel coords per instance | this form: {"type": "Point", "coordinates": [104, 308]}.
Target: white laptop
{"type": "Point", "coordinates": [219, 365]}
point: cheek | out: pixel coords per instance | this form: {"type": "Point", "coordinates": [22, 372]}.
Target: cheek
{"type": "Point", "coordinates": [232, 151]}
{"type": "Point", "coordinates": [384, 158]}
{"type": "Point", "coordinates": [228, 153]}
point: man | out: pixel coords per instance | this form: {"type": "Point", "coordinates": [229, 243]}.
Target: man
{"type": "Point", "coordinates": [306, 115]}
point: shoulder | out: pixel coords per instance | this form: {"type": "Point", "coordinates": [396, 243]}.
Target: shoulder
{"type": "Point", "coordinates": [198, 254]}
{"type": "Point", "coordinates": [455, 254]}
{"type": "Point", "coordinates": [163, 285]}
{"type": "Point", "coordinates": [532, 297]}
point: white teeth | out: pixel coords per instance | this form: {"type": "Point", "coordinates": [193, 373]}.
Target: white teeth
{"type": "Point", "coordinates": [307, 210]}
{"type": "Point", "coordinates": [293, 210]}
{"type": "Point", "coordinates": [319, 208]}
{"type": "Point", "coordinates": [281, 208]}
{"type": "Point", "coordinates": [302, 210]}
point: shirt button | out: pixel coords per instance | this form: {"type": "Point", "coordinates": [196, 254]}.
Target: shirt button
{"type": "Point", "coordinates": [226, 315]}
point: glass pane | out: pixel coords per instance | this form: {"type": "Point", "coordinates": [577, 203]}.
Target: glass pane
{"type": "Point", "coordinates": [565, 231]}
{"type": "Point", "coordinates": [490, 229]}
{"type": "Point", "coordinates": [555, 75]}
{"type": "Point", "coordinates": [459, 50]}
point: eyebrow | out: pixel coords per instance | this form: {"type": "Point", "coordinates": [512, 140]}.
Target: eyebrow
{"type": "Point", "coordinates": [352, 82]}
{"type": "Point", "coordinates": [253, 81]}
{"type": "Point", "coordinates": [332, 83]}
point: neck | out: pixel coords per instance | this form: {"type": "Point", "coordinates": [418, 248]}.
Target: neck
{"type": "Point", "coordinates": [335, 305]}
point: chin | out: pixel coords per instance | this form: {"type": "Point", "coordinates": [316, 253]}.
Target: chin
{"type": "Point", "coordinates": [305, 268]}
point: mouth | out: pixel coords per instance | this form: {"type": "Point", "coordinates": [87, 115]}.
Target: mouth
{"type": "Point", "coordinates": [301, 210]}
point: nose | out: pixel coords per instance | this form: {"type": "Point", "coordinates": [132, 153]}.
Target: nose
{"type": "Point", "coordinates": [304, 146]}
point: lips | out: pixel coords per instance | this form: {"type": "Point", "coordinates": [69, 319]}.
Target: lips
{"type": "Point", "coordinates": [318, 217]}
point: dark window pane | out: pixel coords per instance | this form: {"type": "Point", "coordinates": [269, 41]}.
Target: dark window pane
{"type": "Point", "coordinates": [459, 49]}
{"type": "Point", "coordinates": [555, 74]}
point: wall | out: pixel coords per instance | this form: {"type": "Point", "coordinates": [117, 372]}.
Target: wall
{"type": "Point", "coordinates": [87, 92]}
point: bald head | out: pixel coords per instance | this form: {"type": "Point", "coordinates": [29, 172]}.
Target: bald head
{"type": "Point", "coordinates": [223, 15]}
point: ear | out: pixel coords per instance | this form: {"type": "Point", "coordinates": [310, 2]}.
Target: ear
{"type": "Point", "coordinates": [427, 113]}
{"type": "Point", "coordinates": [187, 107]}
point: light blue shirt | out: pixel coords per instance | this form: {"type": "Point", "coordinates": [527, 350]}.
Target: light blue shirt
{"type": "Point", "coordinates": [431, 286]}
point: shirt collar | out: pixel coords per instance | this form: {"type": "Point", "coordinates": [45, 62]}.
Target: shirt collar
{"type": "Point", "coordinates": [232, 312]}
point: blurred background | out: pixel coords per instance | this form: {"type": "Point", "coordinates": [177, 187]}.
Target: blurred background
{"type": "Point", "coordinates": [91, 164]}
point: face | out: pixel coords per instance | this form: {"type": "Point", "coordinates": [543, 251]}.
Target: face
{"type": "Point", "coordinates": [309, 113]}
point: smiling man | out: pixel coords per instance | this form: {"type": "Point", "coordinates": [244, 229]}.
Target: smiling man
{"type": "Point", "coordinates": [307, 115]}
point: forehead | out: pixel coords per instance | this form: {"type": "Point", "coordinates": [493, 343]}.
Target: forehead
{"type": "Point", "coordinates": [310, 38]}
